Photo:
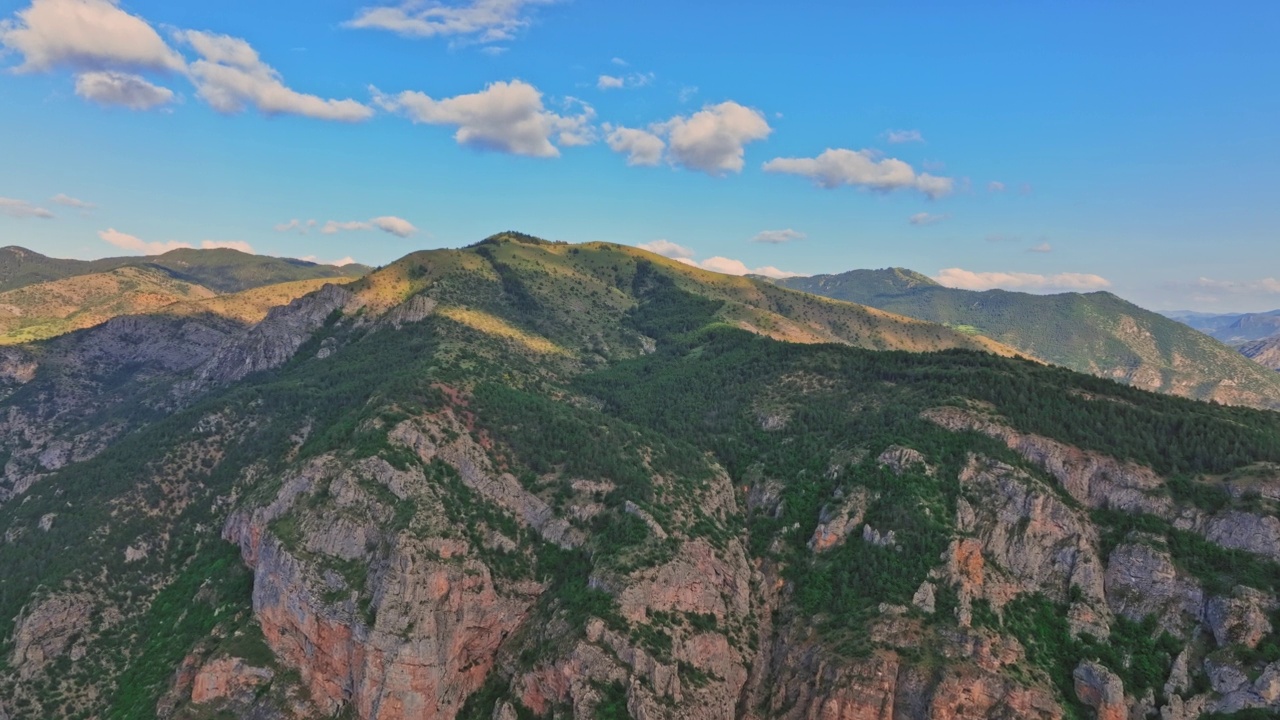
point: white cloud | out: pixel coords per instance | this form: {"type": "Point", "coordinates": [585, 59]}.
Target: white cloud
{"type": "Point", "coordinates": [778, 237]}
{"type": "Point", "coordinates": [481, 20]}
{"type": "Point", "coordinates": [387, 223]}
{"type": "Point", "coordinates": [504, 117]}
{"type": "Point", "coordinates": [86, 34]}
{"type": "Point", "coordinates": [1041, 248]}
{"type": "Point", "coordinates": [969, 280]}
{"type": "Point", "coordinates": [68, 201]}
{"type": "Point", "coordinates": [135, 244]}
{"type": "Point", "coordinates": [640, 146]}
{"type": "Point", "coordinates": [1268, 286]}
{"type": "Point", "coordinates": [348, 260]}
{"type": "Point", "coordinates": [903, 136]}
{"type": "Point", "coordinates": [619, 61]}
{"type": "Point", "coordinates": [231, 77]}
{"type": "Point", "coordinates": [107, 87]}
{"type": "Point", "coordinates": [240, 245]}
{"type": "Point", "coordinates": [729, 266]}
{"type": "Point", "coordinates": [666, 248]}
{"type": "Point", "coordinates": [924, 218]}
{"type": "Point", "coordinates": [861, 168]}
{"type": "Point", "coordinates": [394, 225]}
{"type": "Point", "coordinates": [23, 209]}
{"type": "Point", "coordinates": [996, 186]}
{"type": "Point", "coordinates": [712, 140]}
{"type": "Point", "coordinates": [615, 82]}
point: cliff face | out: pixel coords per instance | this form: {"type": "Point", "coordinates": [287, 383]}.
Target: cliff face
{"type": "Point", "coordinates": [374, 505]}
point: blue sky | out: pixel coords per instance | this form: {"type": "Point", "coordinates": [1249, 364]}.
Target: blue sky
{"type": "Point", "coordinates": [1040, 146]}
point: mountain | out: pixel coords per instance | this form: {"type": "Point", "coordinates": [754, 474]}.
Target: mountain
{"type": "Point", "coordinates": [1096, 333]}
{"type": "Point", "coordinates": [526, 479]}
{"type": "Point", "coordinates": [1234, 328]}
{"type": "Point", "coordinates": [1264, 352]}
{"type": "Point", "coordinates": [222, 270]}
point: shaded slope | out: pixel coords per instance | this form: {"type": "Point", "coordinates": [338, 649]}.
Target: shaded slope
{"type": "Point", "coordinates": [1264, 352]}
{"type": "Point", "coordinates": [1097, 333]}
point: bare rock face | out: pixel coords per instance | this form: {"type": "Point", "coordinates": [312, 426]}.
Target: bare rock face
{"type": "Point", "coordinates": [836, 523]}
{"type": "Point", "coordinates": [1142, 580]}
{"type": "Point", "coordinates": [1100, 689]}
{"type": "Point", "coordinates": [228, 679]}
{"type": "Point", "coordinates": [1258, 534]}
{"type": "Point", "coordinates": [1239, 620]}
{"type": "Point", "coordinates": [1093, 479]}
{"type": "Point", "coordinates": [47, 631]}
{"type": "Point", "coordinates": [901, 459]}
{"type": "Point", "coordinates": [274, 341]}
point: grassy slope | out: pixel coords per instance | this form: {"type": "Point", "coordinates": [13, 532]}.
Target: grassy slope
{"type": "Point", "coordinates": [221, 270]}
{"type": "Point", "coordinates": [1097, 333]}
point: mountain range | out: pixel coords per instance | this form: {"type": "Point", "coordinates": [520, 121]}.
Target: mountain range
{"type": "Point", "coordinates": [527, 479]}
{"type": "Point", "coordinates": [1232, 328]}
{"type": "Point", "coordinates": [1096, 333]}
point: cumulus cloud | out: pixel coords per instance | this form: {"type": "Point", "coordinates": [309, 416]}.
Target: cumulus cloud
{"type": "Point", "coordinates": [231, 77]}
{"type": "Point", "coordinates": [136, 244]}
{"type": "Point", "coordinates": [479, 20]}
{"type": "Point", "coordinates": [903, 136]}
{"type": "Point", "coordinates": [862, 168]}
{"type": "Point", "coordinates": [394, 225]}
{"type": "Point", "coordinates": [295, 225]}
{"type": "Point", "coordinates": [641, 147]}
{"type": "Point", "coordinates": [969, 280]}
{"type": "Point", "coordinates": [712, 140]}
{"type": "Point", "coordinates": [107, 87]}
{"type": "Point", "coordinates": [1041, 248]}
{"type": "Point", "coordinates": [778, 237]}
{"type": "Point", "coordinates": [85, 34]}
{"type": "Point", "coordinates": [616, 82]}
{"type": "Point", "coordinates": [924, 218]}
{"type": "Point", "coordinates": [23, 209]}
{"type": "Point", "coordinates": [504, 117]}
{"type": "Point", "coordinates": [68, 201]}
{"type": "Point", "coordinates": [666, 248]}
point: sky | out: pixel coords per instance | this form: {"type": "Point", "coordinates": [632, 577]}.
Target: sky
{"type": "Point", "coordinates": [1049, 146]}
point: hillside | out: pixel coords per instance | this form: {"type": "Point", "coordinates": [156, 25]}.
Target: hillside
{"type": "Point", "coordinates": [221, 270]}
{"type": "Point", "coordinates": [56, 307]}
{"type": "Point", "coordinates": [530, 480]}
{"type": "Point", "coordinates": [1096, 333]}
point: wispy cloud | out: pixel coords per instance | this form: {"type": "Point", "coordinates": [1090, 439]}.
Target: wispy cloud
{"type": "Point", "coordinates": [505, 117]}
{"type": "Point", "coordinates": [719, 264]}
{"type": "Point", "coordinates": [778, 237]}
{"type": "Point", "coordinates": [386, 223]}
{"type": "Point", "coordinates": [23, 209]}
{"type": "Point", "coordinates": [666, 248]}
{"type": "Point", "coordinates": [712, 140]}
{"type": "Point", "coordinates": [1263, 286]}
{"type": "Point", "coordinates": [133, 243]}
{"type": "Point", "coordinates": [903, 136]}
{"type": "Point", "coordinates": [970, 280]}
{"type": "Point", "coordinates": [481, 21]}
{"type": "Point", "coordinates": [231, 77]}
{"type": "Point", "coordinates": [861, 168]}
{"type": "Point", "coordinates": [75, 203]}
{"type": "Point", "coordinates": [924, 218]}
{"type": "Point", "coordinates": [619, 82]}
{"type": "Point", "coordinates": [1043, 247]}
{"type": "Point", "coordinates": [996, 186]}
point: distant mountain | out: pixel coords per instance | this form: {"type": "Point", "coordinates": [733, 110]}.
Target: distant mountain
{"type": "Point", "coordinates": [221, 270]}
{"type": "Point", "coordinates": [1098, 333]}
{"type": "Point", "coordinates": [1265, 352]}
{"type": "Point", "coordinates": [1232, 328]}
